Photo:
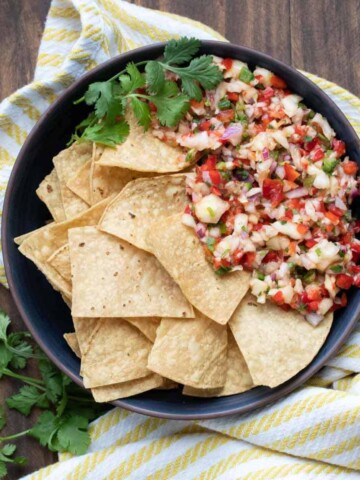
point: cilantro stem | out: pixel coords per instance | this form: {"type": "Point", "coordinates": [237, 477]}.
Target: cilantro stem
{"type": "Point", "coordinates": [15, 435]}
{"type": "Point", "coordinates": [29, 380]}
{"type": "Point", "coordinates": [117, 75]}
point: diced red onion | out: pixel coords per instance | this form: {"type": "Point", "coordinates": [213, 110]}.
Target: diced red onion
{"type": "Point", "coordinates": [233, 133]}
{"type": "Point", "coordinates": [273, 167]}
{"type": "Point", "coordinates": [206, 177]}
{"type": "Point", "coordinates": [254, 192]}
{"type": "Point", "coordinates": [280, 171]}
{"type": "Point", "coordinates": [200, 230]}
{"type": "Point", "coordinates": [339, 203]}
{"type": "Point", "coordinates": [265, 154]}
{"type": "Point", "coordinates": [287, 157]}
{"type": "Point", "coordinates": [297, 193]}
{"type": "Point", "coordinates": [314, 319]}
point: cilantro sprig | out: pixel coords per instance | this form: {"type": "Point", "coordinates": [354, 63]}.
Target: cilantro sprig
{"type": "Point", "coordinates": [67, 409]}
{"type": "Point", "coordinates": [138, 90]}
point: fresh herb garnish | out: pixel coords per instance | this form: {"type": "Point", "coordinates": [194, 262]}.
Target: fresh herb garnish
{"type": "Point", "coordinates": [137, 90]}
{"type": "Point", "coordinates": [67, 408]}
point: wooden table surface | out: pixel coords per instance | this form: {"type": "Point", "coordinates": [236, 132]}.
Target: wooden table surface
{"type": "Point", "coordinates": [320, 36]}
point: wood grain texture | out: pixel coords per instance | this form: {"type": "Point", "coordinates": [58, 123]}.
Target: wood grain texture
{"type": "Point", "coordinates": [319, 36]}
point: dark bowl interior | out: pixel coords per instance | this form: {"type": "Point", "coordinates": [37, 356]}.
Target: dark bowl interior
{"type": "Point", "coordinates": [44, 311]}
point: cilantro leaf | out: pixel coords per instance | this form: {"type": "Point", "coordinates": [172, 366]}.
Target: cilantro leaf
{"type": "Point", "coordinates": [27, 398]}
{"type": "Point", "coordinates": [5, 357]}
{"type": "Point", "coordinates": [109, 135]}
{"type": "Point", "coordinates": [53, 380]}
{"type": "Point", "coordinates": [4, 323]}
{"type": "Point", "coordinates": [21, 349]}
{"type": "Point", "coordinates": [2, 418]}
{"type": "Point", "coordinates": [72, 435]}
{"type": "Point", "coordinates": [132, 80]}
{"type": "Point", "coordinates": [155, 77]}
{"type": "Point", "coordinates": [141, 111]}
{"type": "Point", "coordinates": [45, 429]}
{"type": "Point", "coordinates": [66, 433]}
{"type": "Point", "coordinates": [5, 457]}
{"type": "Point", "coordinates": [192, 89]}
{"type": "Point", "coordinates": [181, 51]}
{"type": "Point", "coordinates": [100, 95]}
{"type": "Point", "coordinates": [170, 110]}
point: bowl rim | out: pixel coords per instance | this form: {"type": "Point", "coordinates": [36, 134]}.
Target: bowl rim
{"type": "Point", "coordinates": [273, 394]}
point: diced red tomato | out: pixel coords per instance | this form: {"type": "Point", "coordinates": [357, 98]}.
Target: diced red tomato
{"type": "Point", "coordinates": [215, 177]}
{"type": "Point", "coordinates": [355, 269]}
{"type": "Point", "coordinates": [272, 256]}
{"type": "Point", "coordinates": [228, 63]}
{"type": "Point", "coordinates": [209, 164]}
{"type": "Point", "coordinates": [233, 97]}
{"type": "Point", "coordinates": [355, 247]}
{"type": "Point", "coordinates": [344, 281]}
{"type": "Point", "coordinates": [313, 306]}
{"type": "Point", "coordinates": [350, 168]}
{"type": "Point", "coordinates": [302, 229]}
{"type": "Point", "coordinates": [300, 130]}
{"type": "Point", "coordinates": [335, 210]}
{"type": "Point", "coordinates": [357, 281]}
{"type": "Point", "coordinates": [317, 154]}
{"type": "Point", "coordinates": [248, 260]}
{"type": "Point", "coordinates": [205, 125]}
{"type": "Point", "coordinates": [290, 173]}
{"type": "Point", "coordinates": [153, 107]}
{"type": "Point", "coordinates": [273, 190]}
{"type": "Point", "coordinates": [194, 103]}
{"type": "Point", "coordinates": [312, 144]}
{"type": "Point", "coordinates": [296, 203]}
{"type": "Point", "coordinates": [310, 243]}
{"type": "Point", "coordinates": [268, 93]}
{"type": "Point", "coordinates": [277, 82]}
{"type": "Point", "coordinates": [339, 147]}
{"type": "Point", "coordinates": [313, 293]}
{"type": "Point", "coordinates": [278, 298]}
{"type": "Point", "coordinates": [265, 119]}
{"type": "Point", "coordinates": [215, 191]}
{"type": "Point", "coordinates": [334, 219]}
{"type": "Point", "coordinates": [226, 116]}
{"type": "Point", "coordinates": [288, 214]}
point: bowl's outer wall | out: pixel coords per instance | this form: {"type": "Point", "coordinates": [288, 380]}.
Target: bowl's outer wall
{"type": "Point", "coordinates": [42, 308]}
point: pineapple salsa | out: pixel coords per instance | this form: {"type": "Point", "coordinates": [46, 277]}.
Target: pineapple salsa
{"type": "Point", "coordinates": [271, 190]}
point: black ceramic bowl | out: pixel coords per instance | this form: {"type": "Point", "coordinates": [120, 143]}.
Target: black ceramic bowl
{"type": "Point", "coordinates": [44, 311]}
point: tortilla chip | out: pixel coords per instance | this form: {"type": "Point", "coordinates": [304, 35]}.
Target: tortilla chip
{"type": "Point", "coordinates": [181, 253]}
{"type": "Point", "coordinates": [85, 329]}
{"type": "Point", "coordinates": [19, 240]}
{"type": "Point", "coordinates": [140, 204]}
{"type": "Point", "coordinates": [276, 344]}
{"type": "Point", "coordinates": [60, 261]}
{"type": "Point", "coordinates": [126, 389]}
{"type": "Point", "coordinates": [112, 278]}
{"type": "Point", "coordinates": [71, 340]}
{"type": "Point", "coordinates": [42, 243]}
{"type": "Point", "coordinates": [238, 378]}
{"type": "Point", "coordinates": [79, 183]}
{"type": "Point", "coordinates": [191, 351]}
{"type": "Point", "coordinates": [117, 353]}
{"type": "Point", "coordinates": [143, 152]}
{"type": "Point", "coordinates": [147, 326]}
{"type": "Point", "coordinates": [67, 163]}
{"type": "Point", "coordinates": [49, 193]}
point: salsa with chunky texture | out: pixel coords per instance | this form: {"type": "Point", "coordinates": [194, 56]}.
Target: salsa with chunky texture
{"type": "Point", "coordinates": [271, 190]}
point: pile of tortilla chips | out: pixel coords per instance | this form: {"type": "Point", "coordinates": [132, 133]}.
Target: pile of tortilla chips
{"type": "Point", "coordinates": [148, 310]}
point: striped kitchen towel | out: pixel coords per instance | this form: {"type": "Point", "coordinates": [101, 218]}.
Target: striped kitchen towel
{"type": "Point", "coordinates": [313, 432]}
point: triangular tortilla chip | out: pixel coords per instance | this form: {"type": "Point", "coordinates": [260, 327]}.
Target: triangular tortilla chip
{"type": "Point", "coordinates": [42, 243]}
{"type": "Point", "coordinates": [49, 193]}
{"type": "Point", "coordinates": [143, 152]}
{"type": "Point", "coordinates": [181, 253]}
{"type": "Point", "coordinates": [190, 351]}
{"type": "Point", "coordinates": [112, 278]}
{"type": "Point", "coordinates": [140, 204]}
{"type": "Point", "coordinates": [238, 378]}
{"type": "Point", "coordinates": [67, 163]}
{"type": "Point", "coordinates": [71, 340]}
{"type": "Point", "coordinates": [276, 344]}
{"type": "Point", "coordinates": [60, 261]}
{"type": "Point", "coordinates": [117, 353]}
{"type": "Point", "coordinates": [127, 389]}
{"type": "Point", "coordinates": [146, 325]}
{"type": "Point", "coordinates": [85, 329]}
